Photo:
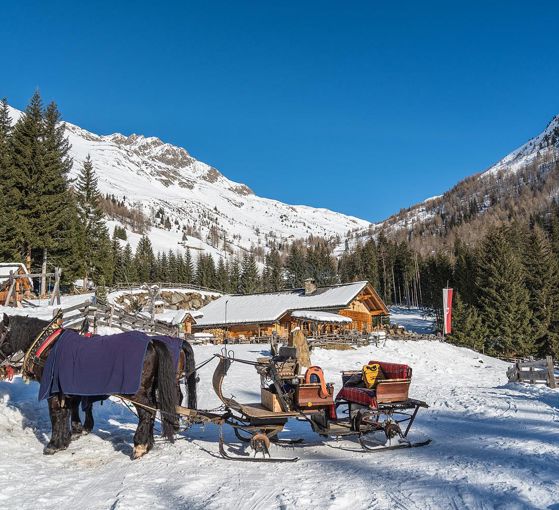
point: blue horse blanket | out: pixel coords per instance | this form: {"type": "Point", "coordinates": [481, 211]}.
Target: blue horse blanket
{"type": "Point", "coordinates": [99, 365]}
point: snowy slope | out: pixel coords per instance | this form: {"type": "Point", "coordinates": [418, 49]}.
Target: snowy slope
{"type": "Point", "coordinates": [545, 145]}
{"type": "Point", "coordinates": [542, 149]}
{"type": "Point", "coordinates": [495, 445]}
{"type": "Point", "coordinates": [154, 174]}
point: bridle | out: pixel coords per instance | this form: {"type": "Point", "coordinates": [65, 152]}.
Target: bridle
{"type": "Point", "coordinates": [12, 362]}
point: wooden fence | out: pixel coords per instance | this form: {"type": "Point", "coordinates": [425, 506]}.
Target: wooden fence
{"type": "Point", "coordinates": [534, 372]}
{"type": "Point", "coordinates": [100, 314]}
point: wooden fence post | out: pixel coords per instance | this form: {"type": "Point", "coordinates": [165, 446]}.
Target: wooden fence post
{"type": "Point", "coordinates": [550, 372]}
{"type": "Point", "coordinates": [12, 281]}
{"type": "Point", "coordinates": [56, 290]}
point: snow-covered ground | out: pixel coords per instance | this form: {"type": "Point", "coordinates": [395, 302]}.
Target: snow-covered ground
{"type": "Point", "coordinates": [413, 319]}
{"type": "Point", "coordinates": [495, 445]}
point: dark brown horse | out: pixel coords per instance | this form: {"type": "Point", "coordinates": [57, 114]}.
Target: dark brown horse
{"type": "Point", "coordinates": [159, 387]}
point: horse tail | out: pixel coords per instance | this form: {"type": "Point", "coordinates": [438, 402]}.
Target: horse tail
{"type": "Point", "coordinates": [191, 377]}
{"type": "Point", "coordinates": [166, 389]}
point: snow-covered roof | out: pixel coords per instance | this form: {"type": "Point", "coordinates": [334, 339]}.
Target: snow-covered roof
{"type": "Point", "coordinates": [269, 307]}
{"type": "Point", "coordinates": [175, 317]}
{"type": "Point", "coordinates": [319, 316]}
{"type": "Point", "coordinates": [6, 267]}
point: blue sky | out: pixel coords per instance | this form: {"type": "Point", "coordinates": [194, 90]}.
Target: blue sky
{"type": "Point", "coordinates": [363, 107]}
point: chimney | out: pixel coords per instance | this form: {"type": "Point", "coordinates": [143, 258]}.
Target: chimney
{"type": "Point", "coordinates": [310, 286]}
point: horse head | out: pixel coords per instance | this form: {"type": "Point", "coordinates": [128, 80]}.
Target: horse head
{"type": "Point", "coordinates": [6, 349]}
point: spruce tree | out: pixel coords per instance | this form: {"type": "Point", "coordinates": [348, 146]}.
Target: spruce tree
{"type": "Point", "coordinates": [144, 261]}
{"type": "Point", "coordinates": [222, 276]}
{"type": "Point", "coordinates": [53, 218]}
{"type": "Point", "coordinates": [273, 280]}
{"type": "Point", "coordinates": [95, 246]}
{"type": "Point", "coordinates": [173, 266]}
{"type": "Point", "coordinates": [465, 271]}
{"type": "Point", "coordinates": [370, 263]}
{"type": "Point", "coordinates": [128, 265]}
{"type": "Point", "coordinates": [24, 182]}
{"type": "Point", "coordinates": [504, 299]}
{"type": "Point", "coordinates": [295, 267]}
{"type": "Point", "coordinates": [205, 271]}
{"type": "Point", "coordinates": [235, 276]}
{"type": "Point", "coordinates": [188, 273]}
{"type": "Point", "coordinates": [250, 281]}
{"type": "Point", "coordinates": [320, 265]}
{"type": "Point", "coordinates": [467, 328]}
{"type": "Point", "coordinates": [8, 214]}
{"type": "Point", "coordinates": [118, 270]}
{"type": "Point", "coordinates": [542, 274]}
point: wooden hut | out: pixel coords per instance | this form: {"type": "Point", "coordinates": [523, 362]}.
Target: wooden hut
{"type": "Point", "coordinates": [348, 306]}
{"type": "Point", "coordinates": [23, 284]}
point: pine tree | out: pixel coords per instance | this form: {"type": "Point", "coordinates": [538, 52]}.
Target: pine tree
{"type": "Point", "coordinates": [95, 250]}
{"type": "Point", "coordinates": [370, 264]}
{"type": "Point", "coordinates": [542, 282]}
{"type": "Point", "coordinates": [504, 299]}
{"type": "Point", "coordinates": [250, 281]}
{"type": "Point", "coordinates": [23, 180]}
{"type": "Point", "coordinates": [173, 266]}
{"type": "Point", "coordinates": [53, 220]}
{"type": "Point", "coordinates": [273, 280]}
{"type": "Point", "coordinates": [144, 261]}
{"type": "Point", "coordinates": [205, 271]}
{"type": "Point", "coordinates": [467, 328]}
{"type": "Point", "coordinates": [8, 214]}
{"type": "Point", "coordinates": [118, 271]}
{"type": "Point", "coordinates": [295, 267]}
{"type": "Point", "coordinates": [222, 276]}
{"type": "Point", "coordinates": [128, 265]}
{"type": "Point", "coordinates": [235, 277]}
{"type": "Point", "coordinates": [320, 265]}
{"type": "Point", "coordinates": [188, 272]}
{"type": "Point", "coordinates": [465, 271]}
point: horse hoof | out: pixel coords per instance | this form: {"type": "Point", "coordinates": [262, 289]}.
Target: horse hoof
{"type": "Point", "coordinates": [50, 450]}
{"type": "Point", "coordinates": [139, 451]}
{"type": "Point", "coordinates": [85, 432]}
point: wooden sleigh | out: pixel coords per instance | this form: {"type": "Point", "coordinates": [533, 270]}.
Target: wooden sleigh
{"type": "Point", "coordinates": [356, 413]}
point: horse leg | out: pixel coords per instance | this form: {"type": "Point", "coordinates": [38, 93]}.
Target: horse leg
{"type": "Point", "coordinates": [88, 422]}
{"type": "Point", "coordinates": [59, 417]}
{"type": "Point", "coordinates": [143, 438]}
{"type": "Point", "coordinates": [77, 428]}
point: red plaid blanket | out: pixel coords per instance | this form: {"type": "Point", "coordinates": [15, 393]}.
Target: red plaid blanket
{"type": "Point", "coordinates": [394, 370]}
{"type": "Point", "coordinates": [361, 396]}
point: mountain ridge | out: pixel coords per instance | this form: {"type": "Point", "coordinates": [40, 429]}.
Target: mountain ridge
{"type": "Point", "coordinates": [205, 209]}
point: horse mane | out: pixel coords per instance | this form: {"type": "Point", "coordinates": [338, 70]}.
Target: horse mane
{"type": "Point", "coordinates": [23, 330]}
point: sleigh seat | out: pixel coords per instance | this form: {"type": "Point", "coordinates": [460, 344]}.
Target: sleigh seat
{"type": "Point", "coordinates": [393, 387]}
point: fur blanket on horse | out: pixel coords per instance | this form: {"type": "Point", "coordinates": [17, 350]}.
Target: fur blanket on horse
{"type": "Point", "coordinates": [99, 365]}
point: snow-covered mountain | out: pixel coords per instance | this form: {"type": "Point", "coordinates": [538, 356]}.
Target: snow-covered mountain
{"type": "Point", "coordinates": [226, 215]}
{"type": "Point", "coordinates": [481, 193]}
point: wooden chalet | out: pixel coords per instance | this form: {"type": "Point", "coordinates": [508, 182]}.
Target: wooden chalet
{"type": "Point", "coordinates": [316, 310]}
{"type": "Point", "coordinates": [23, 285]}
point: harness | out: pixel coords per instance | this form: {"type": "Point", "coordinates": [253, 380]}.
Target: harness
{"type": "Point", "coordinates": [33, 357]}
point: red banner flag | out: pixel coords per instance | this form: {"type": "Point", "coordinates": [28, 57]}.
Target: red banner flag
{"type": "Point", "coordinates": [447, 310]}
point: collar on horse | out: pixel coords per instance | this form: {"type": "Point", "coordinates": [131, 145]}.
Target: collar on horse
{"type": "Point", "coordinates": [36, 354]}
